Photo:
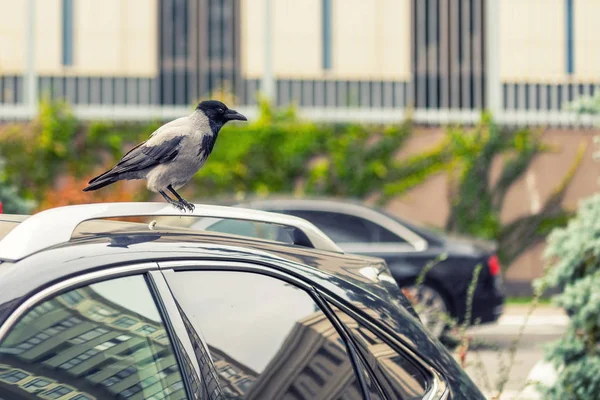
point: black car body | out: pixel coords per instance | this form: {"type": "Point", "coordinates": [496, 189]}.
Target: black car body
{"type": "Point", "coordinates": [136, 311]}
{"type": "Point", "coordinates": [407, 249]}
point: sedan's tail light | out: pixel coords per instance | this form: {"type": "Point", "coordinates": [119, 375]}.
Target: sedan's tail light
{"type": "Point", "coordinates": [494, 265]}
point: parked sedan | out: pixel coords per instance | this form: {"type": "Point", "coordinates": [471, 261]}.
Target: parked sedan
{"type": "Point", "coordinates": [92, 309]}
{"type": "Point", "coordinates": [407, 250]}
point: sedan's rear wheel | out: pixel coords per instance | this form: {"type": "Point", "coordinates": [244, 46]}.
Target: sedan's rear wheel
{"type": "Point", "coordinates": [430, 306]}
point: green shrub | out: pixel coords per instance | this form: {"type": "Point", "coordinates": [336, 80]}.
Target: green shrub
{"type": "Point", "coordinates": [573, 262]}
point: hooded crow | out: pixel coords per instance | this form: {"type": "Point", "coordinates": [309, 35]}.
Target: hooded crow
{"type": "Point", "coordinates": [173, 153]}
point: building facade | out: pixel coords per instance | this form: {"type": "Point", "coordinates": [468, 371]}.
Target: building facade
{"type": "Point", "coordinates": [430, 55]}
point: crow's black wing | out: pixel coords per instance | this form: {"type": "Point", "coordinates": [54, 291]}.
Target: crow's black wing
{"type": "Point", "coordinates": [143, 156]}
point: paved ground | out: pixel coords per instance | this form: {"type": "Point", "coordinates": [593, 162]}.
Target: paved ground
{"type": "Point", "coordinates": [489, 352]}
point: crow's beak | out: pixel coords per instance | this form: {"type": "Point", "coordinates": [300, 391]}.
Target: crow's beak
{"type": "Point", "coordinates": [232, 114]}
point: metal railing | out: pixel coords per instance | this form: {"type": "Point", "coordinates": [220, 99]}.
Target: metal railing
{"type": "Point", "coordinates": [520, 103]}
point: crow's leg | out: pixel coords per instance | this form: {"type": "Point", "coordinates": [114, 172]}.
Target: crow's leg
{"type": "Point", "coordinates": [171, 201]}
{"type": "Point", "coordinates": [182, 201]}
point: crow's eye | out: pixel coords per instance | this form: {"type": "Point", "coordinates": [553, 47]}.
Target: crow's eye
{"type": "Point", "coordinates": [221, 111]}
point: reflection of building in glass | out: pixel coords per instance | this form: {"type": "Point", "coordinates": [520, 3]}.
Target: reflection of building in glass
{"type": "Point", "coordinates": [396, 373]}
{"type": "Point", "coordinates": [236, 378]}
{"type": "Point", "coordinates": [81, 346]}
{"type": "Point", "coordinates": [210, 382]}
{"type": "Point", "coordinates": [313, 362]}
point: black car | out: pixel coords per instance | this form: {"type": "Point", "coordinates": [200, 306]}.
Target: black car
{"type": "Point", "coordinates": [407, 249]}
{"type": "Point", "coordinates": [102, 309]}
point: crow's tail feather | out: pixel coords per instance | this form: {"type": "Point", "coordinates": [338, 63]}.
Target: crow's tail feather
{"type": "Point", "coordinates": [103, 175]}
{"type": "Point", "coordinates": [100, 181]}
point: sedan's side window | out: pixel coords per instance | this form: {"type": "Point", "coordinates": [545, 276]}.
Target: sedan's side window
{"type": "Point", "coordinates": [102, 341]}
{"type": "Point", "coordinates": [267, 338]}
{"type": "Point", "coordinates": [344, 228]}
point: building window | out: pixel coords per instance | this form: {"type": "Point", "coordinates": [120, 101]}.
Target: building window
{"type": "Point", "coordinates": [67, 32]}
{"type": "Point", "coordinates": [227, 372]}
{"type": "Point", "coordinates": [110, 381]}
{"type": "Point", "coordinates": [326, 27]}
{"type": "Point", "coordinates": [72, 298]}
{"type": "Point", "coordinates": [123, 338]}
{"type": "Point", "coordinates": [13, 376]}
{"type": "Point", "coordinates": [36, 384]}
{"type": "Point", "coordinates": [70, 322]}
{"type": "Point", "coordinates": [119, 376]}
{"type": "Point", "coordinates": [81, 397]}
{"type": "Point", "coordinates": [125, 322]}
{"type": "Point", "coordinates": [101, 313]}
{"type": "Point", "coordinates": [147, 329]}
{"type": "Point", "coordinates": [130, 391]}
{"type": "Point", "coordinates": [57, 392]}
{"type": "Point", "coordinates": [86, 337]}
{"type": "Point", "coordinates": [105, 346]}
{"type": "Point", "coordinates": [126, 372]}
{"type": "Point", "coordinates": [79, 359]}
{"type": "Point", "coordinates": [570, 38]}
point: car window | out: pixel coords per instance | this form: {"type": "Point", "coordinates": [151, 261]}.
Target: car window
{"type": "Point", "coordinates": [344, 228]}
{"type": "Point", "coordinates": [399, 376]}
{"type": "Point", "coordinates": [102, 341]}
{"type": "Point", "coordinates": [267, 338]}
{"type": "Point", "coordinates": [252, 229]}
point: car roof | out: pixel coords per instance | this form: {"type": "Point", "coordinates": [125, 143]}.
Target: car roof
{"type": "Point", "coordinates": [124, 241]}
{"type": "Point", "coordinates": [106, 244]}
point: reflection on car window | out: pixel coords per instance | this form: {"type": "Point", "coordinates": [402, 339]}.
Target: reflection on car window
{"type": "Point", "coordinates": [267, 338]}
{"type": "Point", "coordinates": [103, 341]}
{"type": "Point", "coordinates": [344, 228]}
{"type": "Point", "coordinates": [261, 230]}
{"type": "Point", "coordinates": [400, 377]}
{"type": "Point", "coordinates": [373, 388]}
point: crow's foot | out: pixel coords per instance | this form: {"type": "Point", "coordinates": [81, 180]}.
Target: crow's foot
{"type": "Point", "coordinates": [189, 206]}
{"type": "Point", "coordinates": [180, 206]}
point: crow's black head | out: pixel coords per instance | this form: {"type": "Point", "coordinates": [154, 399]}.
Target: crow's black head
{"type": "Point", "coordinates": [218, 113]}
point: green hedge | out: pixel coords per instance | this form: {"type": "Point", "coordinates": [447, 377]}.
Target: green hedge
{"type": "Point", "coordinates": [279, 153]}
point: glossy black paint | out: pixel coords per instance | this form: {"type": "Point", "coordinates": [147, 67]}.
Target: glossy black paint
{"type": "Point", "coordinates": [452, 277]}
{"type": "Point", "coordinates": [336, 276]}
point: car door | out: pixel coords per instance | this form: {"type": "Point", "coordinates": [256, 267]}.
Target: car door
{"type": "Point", "coordinates": [271, 336]}
{"type": "Point", "coordinates": [103, 339]}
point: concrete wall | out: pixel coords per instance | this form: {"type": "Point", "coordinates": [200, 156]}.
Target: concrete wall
{"type": "Point", "coordinates": [370, 39]}
{"type": "Point", "coordinates": [12, 36]}
{"type": "Point", "coordinates": [111, 37]}
{"type": "Point", "coordinates": [587, 31]}
{"type": "Point", "coordinates": [532, 40]}
{"type": "Point", "coordinates": [428, 203]}
{"type": "Point", "coordinates": [115, 37]}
